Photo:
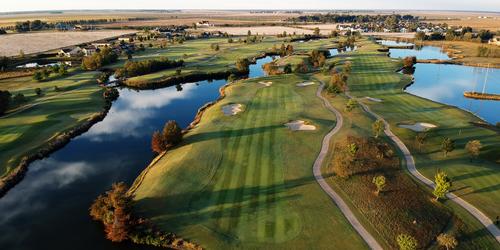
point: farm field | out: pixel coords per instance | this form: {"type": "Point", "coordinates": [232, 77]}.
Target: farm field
{"type": "Point", "coordinates": [245, 181]}
{"type": "Point", "coordinates": [30, 43]}
{"type": "Point", "coordinates": [374, 76]}
{"type": "Point", "coordinates": [26, 128]}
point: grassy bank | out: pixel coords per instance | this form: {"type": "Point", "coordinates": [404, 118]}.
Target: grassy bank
{"type": "Point", "coordinates": [25, 129]}
{"type": "Point", "coordinates": [245, 181]}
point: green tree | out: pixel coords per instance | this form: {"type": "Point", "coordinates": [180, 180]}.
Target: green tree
{"type": "Point", "coordinates": [379, 182]}
{"type": "Point", "coordinates": [352, 149]}
{"type": "Point", "coordinates": [38, 91]}
{"type": "Point", "coordinates": [172, 134]}
{"type": "Point", "coordinates": [350, 105]}
{"type": "Point", "coordinates": [406, 242]}
{"type": "Point", "coordinates": [316, 31]}
{"type": "Point", "coordinates": [38, 76]}
{"type": "Point", "coordinates": [287, 69]}
{"type": "Point", "coordinates": [474, 148]}
{"type": "Point", "coordinates": [63, 71]}
{"type": "Point", "coordinates": [443, 185]}
{"type": "Point", "coordinates": [447, 146]}
{"type": "Point", "coordinates": [378, 127]}
{"type": "Point", "coordinates": [242, 65]}
{"type": "Point", "coordinates": [447, 241]}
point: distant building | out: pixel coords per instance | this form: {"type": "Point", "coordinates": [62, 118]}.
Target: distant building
{"type": "Point", "coordinates": [77, 51]}
{"type": "Point", "coordinates": [126, 39]}
{"type": "Point", "coordinates": [101, 44]}
{"type": "Point", "coordinates": [88, 51]}
{"type": "Point", "coordinates": [494, 41]}
{"type": "Point", "coordinates": [204, 24]}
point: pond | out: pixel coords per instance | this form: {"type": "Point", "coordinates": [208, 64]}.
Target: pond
{"type": "Point", "coordinates": [446, 83]}
{"type": "Point", "coordinates": [421, 52]}
{"type": "Point", "coordinates": [49, 208]}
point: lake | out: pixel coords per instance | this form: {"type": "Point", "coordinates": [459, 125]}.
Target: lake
{"type": "Point", "coordinates": [49, 208]}
{"type": "Point", "coordinates": [445, 83]}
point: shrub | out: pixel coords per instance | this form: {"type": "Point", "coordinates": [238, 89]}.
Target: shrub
{"type": "Point", "coordinates": [242, 65]}
{"type": "Point", "coordinates": [111, 94]}
{"type": "Point", "coordinates": [377, 127]}
{"type": "Point", "coordinates": [37, 76]}
{"type": "Point", "coordinates": [379, 182]}
{"type": "Point", "coordinates": [447, 146]}
{"type": "Point", "coordinates": [157, 142]}
{"type": "Point", "coordinates": [409, 61]}
{"type": "Point", "coordinates": [19, 98]}
{"type": "Point", "coordinates": [474, 148]}
{"type": "Point", "coordinates": [38, 91]}
{"type": "Point", "coordinates": [447, 241]}
{"type": "Point", "coordinates": [350, 105]}
{"type": "Point", "coordinates": [406, 242]}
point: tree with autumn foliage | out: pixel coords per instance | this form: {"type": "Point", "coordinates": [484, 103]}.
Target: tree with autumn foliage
{"type": "Point", "coordinates": [113, 210]}
{"type": "Point", "coordinates": [172, 134]}
{"type": "Point", "coordinates": [157, 143]}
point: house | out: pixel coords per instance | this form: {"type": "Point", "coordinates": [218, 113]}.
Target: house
{"type": "Point", "coordinates": [126, 39]}
{"type": "Point", "coordinates": [101, 44]}
{"type": "Point", "coordinates": [77, 51]}
{"type": "Point", "coordinates": [88, 51]}
{"type": "Point", "coordinates": [204, 24]}
{"type": "Point", "coordinates": [494, 41]}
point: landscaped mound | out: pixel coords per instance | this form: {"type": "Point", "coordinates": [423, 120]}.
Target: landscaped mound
{"type": "Point", "coordinates": [304, 84]}
{"type": "Point", "coordinates": [418, 127]}
{"type": "Point", "coordinates": [299, 125]}
{"type": "Point", "coordinates": [232, 109]}
{"type": "Point", "coordinates": [401, 207]}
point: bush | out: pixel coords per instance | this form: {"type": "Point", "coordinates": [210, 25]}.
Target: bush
{"type": "Point", "coordinates": [99, 59]}
{"type": "Point", "coordinates": [242, 65]}
{"type": "Point", "coordinates": [157, 142]}
{"type": "Point", "coordinates": [19, 98]}
{"type": "Point", "coordinates": [111, 94]}
{"type": "Point", "coordinates": [406, 242]}
{"type": "Point", "coordinates": [38, 91]}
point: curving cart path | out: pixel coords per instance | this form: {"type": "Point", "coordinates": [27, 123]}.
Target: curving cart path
{"type": "Point", "coordinates": [410, 165]}
{"type": "Point", "coordinates": [367, 237]}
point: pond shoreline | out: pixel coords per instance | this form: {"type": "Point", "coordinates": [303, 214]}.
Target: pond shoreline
{"type": "Point", "coordinates": [50, 146]}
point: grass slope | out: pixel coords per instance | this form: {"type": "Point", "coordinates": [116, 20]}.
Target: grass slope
{"type": "Point", "coordinates": [246, 181]}
{"type": "Point", "coordinates": [26, 128]}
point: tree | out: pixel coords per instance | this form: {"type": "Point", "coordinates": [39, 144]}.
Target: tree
{"type": "Point", "coordinates": [420, 36]}
{"type": "Point", "coordinates": [287, 69]}
{"type": "Point", "coordinates": [19, 98]}
{"type": "Point", "coordinates": [242, 65]}
{"type": "Point", "coordinates": [157, 142]}
{"type": "Point", "coordinates": [447, 146]}
{"type": "Point", "coordinates": [379, 182]}
{"type": "Point", "coordinates": [172, 134]}
{"type": "Point", "coordinates": [378, 127]}
{"type": "Point", "coordinates": [352, 149]}
{"type": "Point", "coordinates": [447, 241]}
{"type": "Point", "coordinates": [62, 71]}
{"type": "Point", "coordinates": [38, 76]}
{"type": "Point", "coordinates": [119, 229]}
{"type": "Point", "coordinates": [474, 148]}
{"type": "Point", "coordinates": [420, 139]}
{"type": "Point", "coordinates": [409, 61]}
{"type": "Point", "coordinates": [347, 67]}
{"type": "Point", "coordinates": [406, 242]}
{"type": "Point", "coordinates": [443, 185]}
{"type": "Point", "coordinates": [350, 105]}
{"type": "Point", "coordinates": [316, 31]}
{"type": "Point", "coordinates": [38, 91]}
{"type": "Point", "coordinates": [5, 99]}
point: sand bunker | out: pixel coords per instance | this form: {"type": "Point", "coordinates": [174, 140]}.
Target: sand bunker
{"type": "Point", "coordinates": [303, 84]}
{"type": "Point", "coordinates": [418, 127]}
{"type": "Point", "coordinates": [299, 125]}
{"type": "Point", "coordinates": [373, 99]}
{"type": "Point", "coordinates": [267, 84]}
{"type": "Point", "coordinates": [232, 109]}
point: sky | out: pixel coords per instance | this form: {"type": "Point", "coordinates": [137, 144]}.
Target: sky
{"type": "Point", "coordinates": [30, 5]}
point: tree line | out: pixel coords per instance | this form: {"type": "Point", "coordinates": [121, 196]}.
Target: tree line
{"type": "Point", "coordinates": [137, 68]}
{"type": "Point", "coordinates": [343, 18]}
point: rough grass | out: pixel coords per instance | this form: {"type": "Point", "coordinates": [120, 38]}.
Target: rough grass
{"type": "Point", "coordinates": [374, 75]}
{"type": "Point", "coordinates": [246, 181]}
{"type": "Point", "coordinates": [26, 128]}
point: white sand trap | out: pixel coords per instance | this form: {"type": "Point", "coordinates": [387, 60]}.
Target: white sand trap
{"type": "Point", "coordinates": [303, 84]}
{"type": "Point", "coordinates": [232, 109]}
{"type": "Point", "coordinates": [373, 99]}
{"type": "Point", "coordinates": [299, 125]}
{"type": "Point", "coordinates": [267, 84]}
{"type": "Point", "coordinates": [418, 127]}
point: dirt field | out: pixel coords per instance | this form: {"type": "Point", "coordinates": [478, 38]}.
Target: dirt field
{"type": "Point", "coordinates": [11, 45]}
{"type": "Point", "coordinates": [267, 30]}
